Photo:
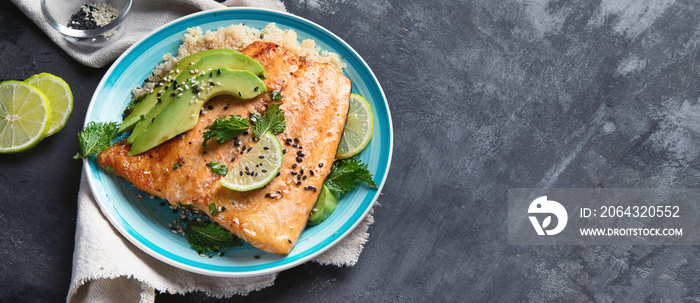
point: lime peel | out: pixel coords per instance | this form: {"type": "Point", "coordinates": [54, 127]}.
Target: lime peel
{"type": "Point", "coordinates": [59, 96]}
{"type": "Point", "coordinates": [358, 130]}
{"type": "Point", "coordinates": [25, 116]}
{"type": "Point", "coordinates": [248, 174]}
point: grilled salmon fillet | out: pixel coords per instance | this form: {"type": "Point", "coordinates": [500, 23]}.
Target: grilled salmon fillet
{"type": "Point", "coordinates": [315, 101]}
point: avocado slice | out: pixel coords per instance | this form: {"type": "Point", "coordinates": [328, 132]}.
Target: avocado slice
{"type": "Point", "coordinates": [325, 206]}
{"type": "Point", "coordinates": [183, 111]}
{"type": "Point", "coordinates": [152, 98]}
{"type": "Point", "coordinates": [203, 66]}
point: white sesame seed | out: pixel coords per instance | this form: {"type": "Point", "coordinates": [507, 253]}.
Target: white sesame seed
{"type": "Point", "coordinates": [192, 116]}
{"type": "Point", "coordinates": [179, 95]}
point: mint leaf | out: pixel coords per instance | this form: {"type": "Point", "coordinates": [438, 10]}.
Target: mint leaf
{"type": "Point", "coordinates": [218, 168]}
{"type": "Point", "coordinates": [95, 137]}
{"type": "Point", "coordinates": [275, 95]}
{"type": "Point", "coordinates": [346, 174]}
{"type": "Point", "coordinates": [209, 236]}
{"type": "Point", "coordinates": [213, 209]}
{"type": "Point", "coordinates": [272, 121]}
{"type": "Point", "coordinates": [224, 129]}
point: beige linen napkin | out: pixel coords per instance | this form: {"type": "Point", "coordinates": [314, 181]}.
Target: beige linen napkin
{"type": "Point", "coordinates": [145, 16]}
{"type": "Point", "coordinates": [106, 266]}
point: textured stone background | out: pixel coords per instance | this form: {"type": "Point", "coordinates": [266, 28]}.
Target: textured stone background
{"type": "Point", "coordinates": [485, 96]}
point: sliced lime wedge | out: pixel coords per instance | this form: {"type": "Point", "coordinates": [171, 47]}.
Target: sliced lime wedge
{"type": "Point", "coordinates": [256, 168]}
{"type": "Point", "coordinates": [25, 116]}
{"type": "Point", "coordinates": [359, 127]}
{"type": "Point", "coordinates": [60, 98]}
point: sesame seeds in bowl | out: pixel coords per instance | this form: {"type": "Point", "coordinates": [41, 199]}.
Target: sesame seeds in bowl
{"type": "Point", "coordinates": [87, 21]}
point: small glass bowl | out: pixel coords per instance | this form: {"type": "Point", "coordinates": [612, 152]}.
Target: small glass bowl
{"type": "Point", "coordinates": [58, 15]}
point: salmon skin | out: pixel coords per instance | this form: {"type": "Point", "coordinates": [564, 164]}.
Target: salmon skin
{"type": "Point", "coordinates": [315, 102]}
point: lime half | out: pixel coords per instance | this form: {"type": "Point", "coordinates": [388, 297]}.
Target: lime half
{"type": "Point", "coordinates": [256, 168]}
{"type": "Point", "coordinates": [25, 116]}
{"type": "Point", "coordinates": [358, 128]}
{"type": "Point", "coordinates": [60, 98]}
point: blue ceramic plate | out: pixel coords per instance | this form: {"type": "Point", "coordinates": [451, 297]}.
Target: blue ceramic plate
{"type": "Point", "coordinates": [145, 223]}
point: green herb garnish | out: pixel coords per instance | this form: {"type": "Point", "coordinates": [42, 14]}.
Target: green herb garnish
{"type": "Point", "coordinates": [176, 165]}
{"type": "Point", "coordinates": [213, 209]}
{"type": "Point", "coordinates": [346, 174]}
{"type": "Point", "coordinates": [275, 95]}
{"type": "Point", "coordinates": [209, 236]}
{"type": "Point", "coordinates": [218, 168]}
{"type": "Point", "coordinates": [183, 206]}
{"type": "Point", "coordinates": [272, 121]}
{"type": "Point", "coordinates": [223, 129]}
{"type": "Point", "coordinates": [95, 137]}
{"type": "Point", "coordinates": [109, 168]}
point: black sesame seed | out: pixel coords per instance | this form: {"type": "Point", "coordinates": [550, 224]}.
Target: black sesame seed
{"type": "Point", "coordinates": [233, 159]}
{"type": "Point", "coordinates": [246, 168]}
{"type": "Point", "coordinates": [208, 164]}
{"type": "Point", "coordinates": [299, 159]}
{"type": "Point", "coordinates": [295, 145]}
{"type": "Point", "coordinates": [296, 140]}
{"type": "Point", "coordinates": [173, 94]}
{"type": "Point", "coordinates": [245, 133]}
{"type": "Point", "coordinates": [249, 148]}
{"type": "Point", "coordinates": [264, 170]}
{"type": "Point", "coordinates": [241, 173]}
{"type": "Point", "coordinates": [159, 94]}
{"type": "Point", "coordinates": [290, 241]}
{"type": "Point", "coordinates": [239, 94]}
{"type": "Point", "coordinates": [278, 173]}
{"type": "Point", "coordinates": [266, 148]}
{"type": "Point", "coordinates": [211, 75]}
{"type": "Point", "coordinates": [261, 157]}
{"type": "Point", "coordinates": [298, 177]}
{"type": "Point", "coordinates": [223, 208]}
{"type": "Point", "coordinates": [303, 178]}
{"type": "Point", "coordinates": [311, 172]}
{"type": "Point", "coordinates": [320, 164]}
{"type": "Point", "coordinates": [293, 172]}
{"type": "Point", "coordinates": [284, 151]}
{"type": "Point", "coordinates": [301, 171]}
{"type": "Point", "coordinates": [294, 165]}
{"type": "Point", "coordinates": [267, 195]}
{"type": "Point", "coordinates": [300, 153]}
{"type": "Point", "coordinates": [218, 71]}
{"type": "Point", "coordinates": [255, 89]}
{"type": "Point", "coordinates": [226, 107]}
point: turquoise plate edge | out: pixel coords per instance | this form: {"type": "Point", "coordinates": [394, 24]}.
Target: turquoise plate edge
{"type": "Point", "coordinates": [377, 155]}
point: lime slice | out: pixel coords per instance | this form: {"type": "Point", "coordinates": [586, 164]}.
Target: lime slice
{"type": "Point", "coordinates": [25, 116]}
{"type": "Point", "coordinates": [256, 168]}
{"type": "Point", "coordinates": [60, 98]}
{"type": "Point", "coordinates": [358, 128]}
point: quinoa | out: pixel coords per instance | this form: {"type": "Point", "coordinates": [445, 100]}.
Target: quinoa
{"type": "Point", "coordinates": [238, 37]}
